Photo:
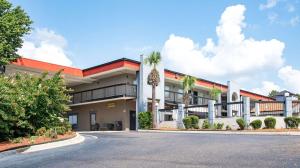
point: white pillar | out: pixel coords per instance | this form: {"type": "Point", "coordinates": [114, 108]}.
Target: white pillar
{"type": "Point", "coordinates": [246, 110]}
{"type": "Point", "coordinates": [288, 110]}
{"type": "Point", "coordinates": [257, 109]}
{"type": "Point", "coordinates": [211, 111]}
{"type": "Point", "coordinates": [219, 112]}
{"type": "Point", "coordinates": [180, 116]}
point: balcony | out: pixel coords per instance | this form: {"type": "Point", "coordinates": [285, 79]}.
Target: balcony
{"type": "Point", "coordinates": [176, 97]}
{"type": "Point", "coordinates": [103, 93]}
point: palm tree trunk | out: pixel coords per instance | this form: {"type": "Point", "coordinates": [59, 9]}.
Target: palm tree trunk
{"type": "Point", "coordinates": [153, 107]}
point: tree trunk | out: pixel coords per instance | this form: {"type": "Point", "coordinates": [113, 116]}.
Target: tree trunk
{"type": "Point", "coordinates": [153, 107]}
{"type": "Point", "coordinates": [2, 69]}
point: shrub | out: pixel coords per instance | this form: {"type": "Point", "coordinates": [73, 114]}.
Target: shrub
{"type": "Point", "coordinates": [41, 132]}
{"type": "Point", "coordinates": [219, 126]}
{"type": "Point", "coordinates": [187, 121]}
{"type": "Point", "coordinates": [270, 122]}
{"type": "Point", "coordinates": [228, 127]}
{"type": "Point", "coordinates": [32, 139]}
{"type": "Point", "coordinates": [242, 123]}
{"type": "Point", "coordinates": [256, 124]}
{"type": "Point", "coordinates": [195, 121]}
{"type": "Point", "coordinates": [205, 124]}
{"type": "Point", "coordinates": [292, 122]}
{"type": "Point", "coordinates": [16, 140]}
{"type": "Point", "coordinates": [60, 130]}
{"type": "Point", "coordinates": [51, 133]}
{"type": "Point", "coordinates": [145, 120]}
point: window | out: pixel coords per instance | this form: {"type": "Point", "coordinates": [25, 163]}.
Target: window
{"type": "Point", "coordinates": [167, 93]}
{"type": "Point", "coordinates": [73, 119]}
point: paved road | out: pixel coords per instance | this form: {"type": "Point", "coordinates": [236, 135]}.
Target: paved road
{"type": "Point", "coordinates": [166, 150]}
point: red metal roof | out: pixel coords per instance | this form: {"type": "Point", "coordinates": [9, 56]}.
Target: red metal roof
{"type": "Point", "coordinates": [123, 62]}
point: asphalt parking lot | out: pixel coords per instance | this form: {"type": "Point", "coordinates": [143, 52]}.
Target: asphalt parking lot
{"type": "Point", "coordinates": [133, 149]}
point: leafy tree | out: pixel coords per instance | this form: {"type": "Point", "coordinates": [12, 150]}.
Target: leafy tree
{"type": "Point", "coordinates": [29, 102]}
{"type": "Point", "coordinates": [153, 79]}
{"type": "Point", "coordinates": [188, 84]}
{"type": "Point", "coordinates": [214, 92]}
{"type": "Point", "coordinates": [273, 93]}
{"type": "Point", "coordinates": [14, 24]}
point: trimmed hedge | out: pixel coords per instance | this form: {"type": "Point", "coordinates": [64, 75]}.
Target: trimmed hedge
{"type": "Point", "coordinates": [205, 124]}
{"type": "Point", "coordinates": [292, 122]}
{"type": "Point", "coordinates": [256, 124]}
{"type": "Point", "coordinates": [242, 123]}
{"type": "Point", "coordinates": [270, 122]}
{"type": "Point", "coordinates": [195, 121]}
{"type": "Point", "coordinates": [145, 120]}
{"type": "Point", "coordinates": [219, 126]}
{"type": "Point", "coordinates": [191, 122]}
{"type": "Point", "coordinates": [187, 121]}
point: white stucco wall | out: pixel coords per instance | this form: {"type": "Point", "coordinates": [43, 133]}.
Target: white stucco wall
{"type": "Point", "coordinates": [145, 90]}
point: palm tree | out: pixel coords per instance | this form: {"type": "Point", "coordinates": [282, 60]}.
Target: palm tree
{"type": "Point", "coordinates": [153, 79]}
{"type": "Point", "coordinates": [188, 83]}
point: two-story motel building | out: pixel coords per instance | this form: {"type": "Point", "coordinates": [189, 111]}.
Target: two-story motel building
{"type": "Point", "coordinates": [108, 96]}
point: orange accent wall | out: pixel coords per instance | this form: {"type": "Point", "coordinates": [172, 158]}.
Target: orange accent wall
{"type": "Point", "coordinates": [25, 62]}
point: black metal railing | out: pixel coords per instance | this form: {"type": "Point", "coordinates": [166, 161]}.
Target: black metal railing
{"type": "Point", "coordinates": [236, 108]}
{"type": "Point", "coordinates": [177, 97]}
{"type": "Point", "coordinates": [274, 108]}
{"type": "Point", "coordinates": [108, 92]}
{"type": "Point", "coordinates": [198, 110]}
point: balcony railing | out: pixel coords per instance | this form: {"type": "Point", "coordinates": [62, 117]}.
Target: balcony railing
{"type": "Point", "coordinates": [108, 92]}
{"type": "Point", "coordinates": [176, 97]}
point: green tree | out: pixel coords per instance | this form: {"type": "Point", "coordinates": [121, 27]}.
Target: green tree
{"type": "Point", "coordinates": [153, 79]}
{"type": "Point", "coordinates": [273, 93]}
{"type": "Point", "coordinates": [29, 102]}
{"type": "Point", "coordinates": [188, 84]}
{"type": "Point", "coordinates": [14, 24]}
{"type": "Point", "coordinates": [214, 92]}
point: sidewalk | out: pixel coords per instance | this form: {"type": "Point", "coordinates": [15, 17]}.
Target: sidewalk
{"type": "Point", "coordinates": [51, 145]}
{"type": "Point", "coordinates": [291, 133]}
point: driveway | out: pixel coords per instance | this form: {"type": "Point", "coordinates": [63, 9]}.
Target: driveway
{"type": "Point", "coordinates": [132, 149]}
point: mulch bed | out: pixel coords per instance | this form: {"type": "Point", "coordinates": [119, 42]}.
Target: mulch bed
{"type": "Point", "coordinates": [25, 142]}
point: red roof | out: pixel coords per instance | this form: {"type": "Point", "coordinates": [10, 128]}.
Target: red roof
{"type": "Point", "coordinates": [121, 63]}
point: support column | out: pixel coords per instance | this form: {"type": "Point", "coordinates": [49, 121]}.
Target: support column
{"type": "Point", "coordinates": [257, 109]}
{"type": "Point", "coordinates": [211, 111]}
{"type": "Point", "coordinates": [246, 110]}
{"type": "Point", "coordinates": [219, 112]}
{"type": "Point", "coordinates": [288, 110]}
{"type": "Point", "coordinates": [180, 116]}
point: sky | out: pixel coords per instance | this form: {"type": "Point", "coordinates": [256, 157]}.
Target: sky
{"type": "Point", "coordinates": [253, 43]}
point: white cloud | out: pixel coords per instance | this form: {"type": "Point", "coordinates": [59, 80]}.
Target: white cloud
{"type": "Point", "coordinates": [266, 88]}
{"type": "Point", "coordinates": [290, 78]}
{"type": "Point", "coordinates": [290, 8]}
{"type": "Point", "coordinates": [45, 45]}
{"type": "Point", "coordinates": [268, 5]}
{"type": "Point", "coordinates": [273, 18]}
{"type": "Point", "coordinates": [232, 55]}
{"type": "Point", "coordinates": [294, 21]}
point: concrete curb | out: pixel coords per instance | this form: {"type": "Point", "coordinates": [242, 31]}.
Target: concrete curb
{"type": "Point", "coordinates": [77, 139]}
{"type": "Point", "coordinates": [225, 132]}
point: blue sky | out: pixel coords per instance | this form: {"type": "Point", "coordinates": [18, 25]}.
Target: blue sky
{"type": "Point", "coordinates": [87, 33]}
